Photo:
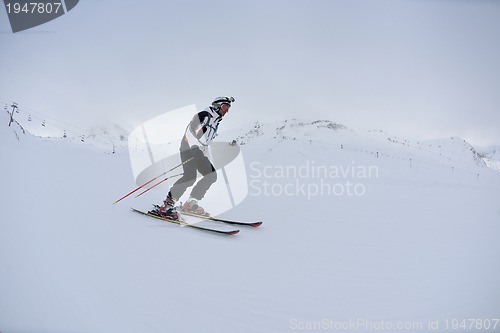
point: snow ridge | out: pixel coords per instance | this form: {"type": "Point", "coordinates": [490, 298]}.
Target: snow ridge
{"type": "Point", "coordinates": [288, 129]}
{"type": "Point", "coordinates": [453, 151]}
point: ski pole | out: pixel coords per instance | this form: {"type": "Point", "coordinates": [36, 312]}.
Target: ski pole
{"type": "Point", "coordinates": [138, 195]}
{"type": "Point", "coordinates": [137, 189]}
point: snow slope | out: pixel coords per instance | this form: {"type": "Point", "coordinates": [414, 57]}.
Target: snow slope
{"type": "Point", "coordinates": [415, 241]}
{"type": "Point", "coordinates": [491, 156]}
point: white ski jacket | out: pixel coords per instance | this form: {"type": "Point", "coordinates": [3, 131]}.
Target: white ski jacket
{"type": "Point", "coordinates": [202, 129]}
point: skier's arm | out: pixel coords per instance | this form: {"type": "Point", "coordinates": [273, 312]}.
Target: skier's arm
{"type": "Point", "coordinates": [197, 128]}
{"type": "Point", "coordinates": [198, 124]}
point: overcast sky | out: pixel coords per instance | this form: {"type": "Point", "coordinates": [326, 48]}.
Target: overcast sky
{"type": "Point", "coordinates": [420, 69]}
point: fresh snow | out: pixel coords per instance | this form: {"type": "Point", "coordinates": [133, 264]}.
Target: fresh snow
{"type": "Point", "coordinates": [419, 245]}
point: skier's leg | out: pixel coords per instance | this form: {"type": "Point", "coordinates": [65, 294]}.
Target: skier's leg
{"type": "Point", "coordinates": [187, 179]}
{"type": "Point", "coordinates": [168, 209]}
{"type": "Point", "coordinates": [209, 177]}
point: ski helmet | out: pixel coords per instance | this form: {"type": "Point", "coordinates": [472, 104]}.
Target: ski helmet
{"type": "Point", "coordinates": [217, 103]}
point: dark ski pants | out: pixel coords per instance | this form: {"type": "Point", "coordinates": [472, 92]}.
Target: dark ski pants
{"type": "Point", "coordinates": [200, 163]}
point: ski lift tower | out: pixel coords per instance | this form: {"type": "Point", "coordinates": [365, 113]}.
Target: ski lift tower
{"type": "Point", "coordinates": [14, 107]}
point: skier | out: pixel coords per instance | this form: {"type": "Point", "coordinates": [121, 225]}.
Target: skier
{"type": "Point", "coordinates": [197, 137]}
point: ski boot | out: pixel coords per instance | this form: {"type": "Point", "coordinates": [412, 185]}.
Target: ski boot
{"type": "Point", "coordinates": [191, 206]}
{"type": "Point", "coordinates": [168, 210]}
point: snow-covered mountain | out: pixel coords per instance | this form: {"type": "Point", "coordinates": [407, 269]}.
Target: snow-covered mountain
{"type": "Point", "coordinates": [291, 129]}
{"type": "Point", "coordinates": [361, 232]}
{"type": "Point", "coordinates": [115, 136]}
{"type": "Point", "coordinates": [447, 151]}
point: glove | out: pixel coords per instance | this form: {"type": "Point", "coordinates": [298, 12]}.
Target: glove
{"type": "Point", "coordinates": [197, 153]}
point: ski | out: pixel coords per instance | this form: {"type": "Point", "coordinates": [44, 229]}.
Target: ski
{"type": "Point", "coordinates": [208, 217]}
{"type": "Point", "coordinates": [182, 223]}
